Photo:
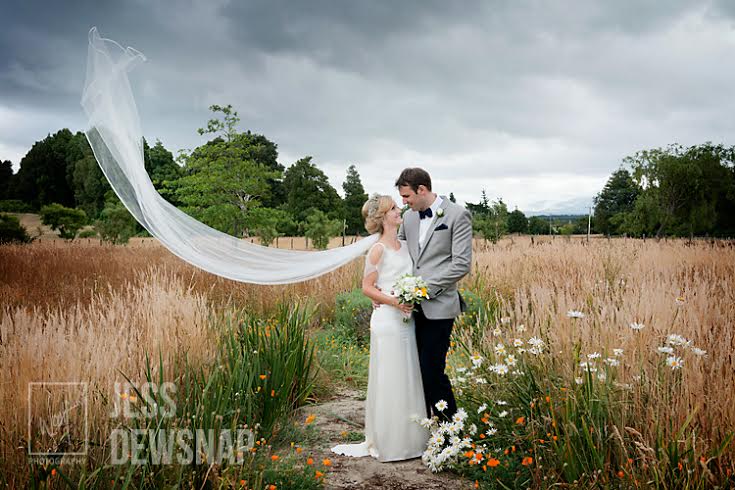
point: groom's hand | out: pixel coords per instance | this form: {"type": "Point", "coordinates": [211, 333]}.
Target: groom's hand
{"type": "Point", "coordinates": [376, 305]}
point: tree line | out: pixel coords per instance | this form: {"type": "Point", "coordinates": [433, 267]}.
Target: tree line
{"type": "Point", "coordinates": [235, 184]}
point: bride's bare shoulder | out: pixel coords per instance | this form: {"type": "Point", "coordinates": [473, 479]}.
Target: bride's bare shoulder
{"type": "Point", "coordinates": [376, 252]}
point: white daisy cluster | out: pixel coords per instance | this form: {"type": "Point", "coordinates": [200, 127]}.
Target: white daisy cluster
{"type": "Point", "coordinates": [673, 342]}
{"type": "Point", "coordinates": [590, 366]}
{"type": "Point", "coordinates": [446, 441]}
{"type": "Point", "coordinates": [575, 314]}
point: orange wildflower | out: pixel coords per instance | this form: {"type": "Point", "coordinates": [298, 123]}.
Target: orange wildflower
{"type": "Point", "coordinates": [520, 420]}
{"type": "Point", "coordinates": [298, 450]}
{"type": "Point", "coordinates": [469, 454]}
{"type": "Point", "coordinates": [621, 474]}
{"type": "Point", "coordinates": [492, 462]}
{"type": "Point", "coordinates": [311, 418]}
{"type": "Point", "coordinates": [477, 484]}
{"type": "Point", "coordinates": [527, 461]}
{"type": "Point", "coordinates": [243, 483]}
{"type": "Point", "coordinates": [53, 472]}
{"type": "Point", "coordinates": [318, 474]}
{"type": "Point", "coordinates": [482, 436]}
{"type": "Point", "coordinates": [274, 457]}
{"type": "Point", "coordinates": [272, 487]}
{"type": "Point", "coordinates": [548, 399]}
{"type": "Point", "coordinates": [310, 461]}
{"type": "Point", "coordinates": [263, 376]}
{"type": "Point", "coordinates": [327, 462]}
{"type": "Point", "coordinates": [273, 392]}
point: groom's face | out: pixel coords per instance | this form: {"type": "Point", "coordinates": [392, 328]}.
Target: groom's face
{"type": "Point", "coordinates": [415, 200]}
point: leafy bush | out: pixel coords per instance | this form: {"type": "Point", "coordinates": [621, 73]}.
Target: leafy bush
{"type": "Point", "coordinates": [319, 229]}
{"type": "Point", "coordinates": [15, 206]}
{"type": "Point", "coordinates": [67, 221]}
{"type": "Point", "coordinates": [11, 230]}
{"type": "Point", "coordinates": [88, 234]}
{"type": "Point", "coordinates": [352, 315]}
{"type": "Point", "coordinates": [116, 224]}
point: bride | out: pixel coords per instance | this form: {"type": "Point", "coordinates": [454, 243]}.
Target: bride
{"type": "Point", "coordinates": [395, 396]}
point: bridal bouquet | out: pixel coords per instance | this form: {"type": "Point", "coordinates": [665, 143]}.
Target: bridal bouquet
{"type": "Point", "coordinates": [410, 290]}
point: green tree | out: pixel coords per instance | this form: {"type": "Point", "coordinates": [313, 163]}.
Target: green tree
{"type": "Point", "coordinates": [685, 190]}
{"type": "Point", "coordinates": [320, 229]}
{"type": "Point", "coordinates": [162, 169]}
{"type": "Point", "coordinates": [538, 226]}
{"type": "Point", "coordinates": [267, 223]}
{"type": "Point", "coordinates": [355, 197]}
{"type": "Point", "coordinates": [221, 183]}
{"type": "Point", "coordinates": [45, 174]}
{"type": "Point", "coordinates": [616, 198]}
{"type": "Point", "coordinates": [116, 225]}
{"type": "Point", "coordinates": [6, 180]}
{"type": "Point", "coordinates": [67, 221]}
{"type": "Point", "coordinates": [11, 230]}
{"type": "Point", "coordinates": [517, 222]}
{"type": "Point", "coordinates": [307, 188]}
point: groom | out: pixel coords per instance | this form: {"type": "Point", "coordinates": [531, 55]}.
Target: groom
{"type": "Point", "coordinates": [439, 238]}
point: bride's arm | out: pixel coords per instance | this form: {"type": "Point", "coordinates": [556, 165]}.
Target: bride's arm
{"type": "Point", "coordinates": [370, 278]}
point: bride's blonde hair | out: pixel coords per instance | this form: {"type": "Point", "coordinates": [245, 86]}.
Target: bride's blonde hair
{"type": "Point", "coordinates": [373, 211]}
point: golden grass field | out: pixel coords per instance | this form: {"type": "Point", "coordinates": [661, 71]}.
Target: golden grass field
{"type": "Point", "coordinates": [85, 311]}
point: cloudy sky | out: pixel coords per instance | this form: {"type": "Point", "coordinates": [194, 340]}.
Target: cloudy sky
{"type": "Point", "coordinates": [535, 101]}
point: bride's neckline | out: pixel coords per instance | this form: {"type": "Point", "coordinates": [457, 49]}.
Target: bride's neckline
{"type": "Point", "coordinates": [389, 247]}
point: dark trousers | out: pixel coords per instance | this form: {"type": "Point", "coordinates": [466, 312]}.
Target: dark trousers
{"type": "Point", "coordinates": [432, 340]}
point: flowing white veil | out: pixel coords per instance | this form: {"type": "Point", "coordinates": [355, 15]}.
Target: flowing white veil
{"type": "Point", "coordinates": [117, 141]}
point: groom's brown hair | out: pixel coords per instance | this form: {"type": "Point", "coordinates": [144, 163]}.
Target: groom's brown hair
{"type": "Point", "coordinates": [414, 177]}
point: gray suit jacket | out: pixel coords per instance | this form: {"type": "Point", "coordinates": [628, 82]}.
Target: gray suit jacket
{"type": "Point", "coordinates": [444, 259]}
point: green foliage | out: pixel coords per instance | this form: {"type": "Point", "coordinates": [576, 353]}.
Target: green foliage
{"type": "Point", "coordinates": [489, 219]}
{"type": "Point", "coordinates": [162, 169]}
{"type": "Point", "coordinates": [352, 316]}
{"type": "Point", "coordinates": [67, 221]}
{"type": "Point", "coordinates": [88, 234]}
{"type": "Point", "coordinates": [538, 226]}
{"type": "Point", "coordinates": [221, 182]}
{"type": "Point", "coordinates": [308, 188]}
{"type": "Point", "coordinates": [11, 230]}
{"type": "Point", "coordinates": [14, 206]}
{"type": "Point", "coordinates": [6, 179]}
{"type": "Point", "coordinates": [614, 200]}
{"type": "Point", "coordinates": [116, 225]}
{"type": "Point", "coordinates": [45, 172]}
{"type": "Point", "coordinates": [266, 222]}
{"type": "Point", "coordinates": [355, 197]}
{"type": "Point", "coordinates": [320, 229]}
{"type": "Point", "coordinates": [686, 191]}
{"type": "Point", "coordinates": [517, 222]}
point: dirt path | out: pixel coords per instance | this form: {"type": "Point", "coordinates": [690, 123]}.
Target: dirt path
{"type": "Point", "coordinates": [346, 414]}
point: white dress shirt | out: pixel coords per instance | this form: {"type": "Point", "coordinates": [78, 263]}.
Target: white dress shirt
{"type": "Point", "coordinates": [426, 223]}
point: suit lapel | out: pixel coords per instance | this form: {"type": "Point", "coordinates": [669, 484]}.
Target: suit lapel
{"type": "Point", "coordinates": [414, 242]}
{"type": "Point", "coordinates": [430, 233]}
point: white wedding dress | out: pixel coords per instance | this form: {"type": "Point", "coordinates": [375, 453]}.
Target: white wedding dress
{"type": "Point", "coordinates": [395, 396]}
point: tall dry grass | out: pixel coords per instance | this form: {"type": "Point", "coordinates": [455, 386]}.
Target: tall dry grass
{"type": "Point", "coordinates": [618, 282]}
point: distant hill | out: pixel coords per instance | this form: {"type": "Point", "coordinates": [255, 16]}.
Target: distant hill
{"type": "Point", "coordinates": [576, 207]}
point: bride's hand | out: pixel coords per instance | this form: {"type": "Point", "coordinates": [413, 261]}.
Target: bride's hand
{"type": "Point", "coordinates": [405, 308]}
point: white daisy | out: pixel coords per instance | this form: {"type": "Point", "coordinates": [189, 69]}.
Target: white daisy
{"type": "Point", "coordinates": [698, 352]}
{"type": "Point", "coordinates": [501, 402]}
{"type": "Point", "coordinates": [594, 355]}
{"type": "Point", "coordinates": [472, 430]}
{"type": "Point", "coordinates": [480, 381]}
{"type": "Point", "coordinates": [601, 376]}
{"type": "Point", "coordinates": [441, 405]}
{"type": "Point", "coordinates": [637, 326]}
{"type": "Point", "coordinates": [611, 361]}
{"type": "Point", "coordinates": [501, 369]}
{"type": "Point", "coordinates": [503, 414]}
{"type": "Point", "coordinates": [676, 339]}
{"type": "Point", "coordinates": [491, 431]}
{"type": "Point", "coordinates": [665, 349]}
{"type": "Point", "coordinates": [505, 320]}
{"type": "Point", "coordinates": [579, 381]}
{"type": "Point", "coordinates": [497, 332]}
{"type": "Point", "coordinates": [517, 343]}
{"type": "Point", "coordinates": [674, 362]}
{"type": "Point", "coordinates": [536, 342]}
{"type": "Point", "coordinates": [521, 328]}
{"type": "Point", "coordinates": [482, 408]}
{"type": "Point", "coordinates": [511, 360]}
{"type": "Point", "coordinates": [476, 360]}
{"type": "Point", "coordinates": [500, 350]}
{"type": "Point", "coordinates": [575, 314]}
{"type": "Point", "coordinates": [617, 352]}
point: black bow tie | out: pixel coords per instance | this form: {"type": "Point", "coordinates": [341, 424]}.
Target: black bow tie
{"type": "Point", "coordinates": [426, 214]}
